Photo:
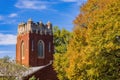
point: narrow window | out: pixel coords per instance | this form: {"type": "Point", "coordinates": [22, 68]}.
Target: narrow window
{"type": "Point", "coordinates": [22, 50]}
{"type": "Point", "coordinates": [32, 45]}
{"type": "Point", "coordinates": [41, 48]}
{"type": "Point", "coordinates": [49, 47]}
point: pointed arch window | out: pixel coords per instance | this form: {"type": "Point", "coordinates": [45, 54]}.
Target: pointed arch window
{"type": "Point", "coordinates": [41, 49]}
{"type": "Point", "coordinates": [22, 50]}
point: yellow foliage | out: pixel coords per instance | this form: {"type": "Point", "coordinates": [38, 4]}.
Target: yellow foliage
{"type": "Point", "coordinates": [94, 51]}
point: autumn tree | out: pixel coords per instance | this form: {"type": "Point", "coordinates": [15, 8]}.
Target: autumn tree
{"type": "Point", "coordinates": [61, 41]}
{"type": "Point", "coordinates": [94, 51]}
{"type": "Point", "coordinates": [9, 70]}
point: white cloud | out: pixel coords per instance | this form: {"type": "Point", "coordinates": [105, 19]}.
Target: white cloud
{"type": "Point", "coordinates": [7, 39]}
{"type": "Point", "coordinates": [69, 0]}
{"type": "Point", "coordinates": [4, 52]}
{"type": "Point", "coordinates": [1, 17]}
{"type": "Point", "coordinates": [9, 21]}
{"type": "Point", "coordinates": [79, 2]}
{"type": "Point", "coordinates": [13, 15]}
{"type": "Point", "coordinates": [27, 4]}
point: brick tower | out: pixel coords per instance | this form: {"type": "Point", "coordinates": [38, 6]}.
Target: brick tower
{"type": "Point", "coordinates": [34, 44]}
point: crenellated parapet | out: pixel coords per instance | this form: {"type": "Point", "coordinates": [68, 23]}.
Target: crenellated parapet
{"type": "Point", "coordinates": [38, 28]}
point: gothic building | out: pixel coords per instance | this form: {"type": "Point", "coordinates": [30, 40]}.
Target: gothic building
{"type": "Point", "coordinates": [35, 48]}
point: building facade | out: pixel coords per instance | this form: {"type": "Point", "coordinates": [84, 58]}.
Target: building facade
{"type": "Point", "coordinates": [34, 46]}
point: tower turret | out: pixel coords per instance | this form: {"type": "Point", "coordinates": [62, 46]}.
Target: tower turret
{"type": "Point", "coordinates": [49, 25]}
{"type": "Point", "coordinates": [34, 43]}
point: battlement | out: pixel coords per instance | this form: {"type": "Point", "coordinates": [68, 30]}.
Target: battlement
{"type": "Point", "coordinates": [38, 28]}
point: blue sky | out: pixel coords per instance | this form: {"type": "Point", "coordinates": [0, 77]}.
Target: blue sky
{"type": "Point", "coordinates": [12, 12]}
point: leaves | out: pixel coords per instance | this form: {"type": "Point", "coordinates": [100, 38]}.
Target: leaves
{"type": "Point", "coordinates": [61, 39]}
{"type": "Point", "coordinates": [10, 69]}
{"type": "Point", "coordinates": [94, 52]}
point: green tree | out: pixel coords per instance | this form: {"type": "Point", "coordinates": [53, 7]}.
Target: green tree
{"type": "Point", "coordinates": [32, 78]}
{"type": "Point", "coordinates": [59, 61]}
{"type": "Point", "coordinates": [61, 39]}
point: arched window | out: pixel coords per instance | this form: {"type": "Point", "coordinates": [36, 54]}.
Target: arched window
{"type": "Point", "coordinates": [41, 48]}
{"type": "Point", "coordinates": [22, 50]}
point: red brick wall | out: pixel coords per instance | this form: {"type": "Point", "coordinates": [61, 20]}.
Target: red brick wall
{"type": "Point", "coordinates": [31, 57]}
{"type": "Point", "coordinates": [25, 39]}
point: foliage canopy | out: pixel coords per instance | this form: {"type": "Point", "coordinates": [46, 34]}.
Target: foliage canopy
{"type": "Point", "coordinates": [61, 39]}
{"type": "Point", "coordinates": [9, 70]}
{"type": "Point", "coordinates": [94, 51]}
